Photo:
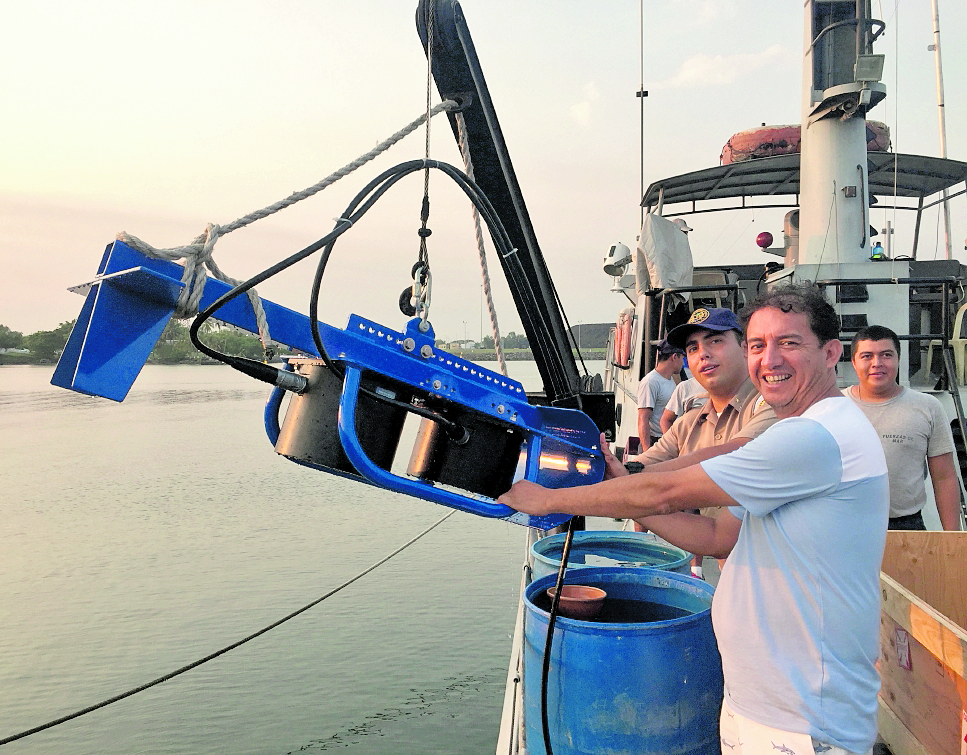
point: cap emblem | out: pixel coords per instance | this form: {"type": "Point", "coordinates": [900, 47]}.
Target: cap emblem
{"type": "Point", "coordinates": [699, 315]}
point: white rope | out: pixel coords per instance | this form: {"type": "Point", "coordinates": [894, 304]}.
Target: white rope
{"type": "Point", "coordinates": [198, 254]}
{"type": "Point", "coordinates": [481, 251]}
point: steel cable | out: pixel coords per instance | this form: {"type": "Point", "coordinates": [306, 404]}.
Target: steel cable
{"type": "Point", "coordinates": [216, 654]}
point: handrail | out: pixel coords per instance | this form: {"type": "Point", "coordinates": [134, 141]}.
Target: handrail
{"type": "Point", "coordinates": [949, 279]}
{"type": "Point", "coordinates": [948, 363]}
{"type": "Point", "coordinates": [868, 22]}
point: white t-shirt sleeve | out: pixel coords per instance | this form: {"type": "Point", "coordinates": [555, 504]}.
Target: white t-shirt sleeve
{"type": "Point", "coordinates": [648, 390]}
{"type": "Point", "coordinates": [794, 459]}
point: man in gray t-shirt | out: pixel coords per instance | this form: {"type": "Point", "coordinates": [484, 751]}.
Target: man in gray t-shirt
{"type": "Point", "coordinates": [912, 427]}
{"type": "Point", "coordinates": [655, 389]}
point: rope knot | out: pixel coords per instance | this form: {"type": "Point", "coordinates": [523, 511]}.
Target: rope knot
{"type": "Point", "coordinates": [206, 242]}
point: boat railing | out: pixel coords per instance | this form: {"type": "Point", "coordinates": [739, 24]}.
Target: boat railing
{"type": "Point", "coordinates": [946, 283]}
{"type": "Point", "coordinates": [734, 287]}
{"type": "Point", "coordinates": [647, 361]}
{"type": "Point", "coordinates": [731, 288]}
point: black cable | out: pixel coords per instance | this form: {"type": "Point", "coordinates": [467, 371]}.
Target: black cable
{"type": "Point", "coordinates": [379, 185]}
{"type": "Point", "coordinates": [551, 620]}
{"type": "Point", "coordinates": [251, 367]}
{"type": "Point", "coordinates": [457, 433]}
{"type": "Point", "coordinates": [183, 669]}
{"type": "Point", "coordinates": [359, 206]}
{"type": "Point", "coordinates": [567, 323]}
{"type": "Point", "coordinates": [515, 269]}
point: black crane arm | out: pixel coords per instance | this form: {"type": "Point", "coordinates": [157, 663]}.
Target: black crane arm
{"type": "Point", "coordinates": [457, 73]}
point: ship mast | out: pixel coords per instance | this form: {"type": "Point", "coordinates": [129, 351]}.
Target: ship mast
{"type": "Point", "coordinates": [840, 84]}
{"type": "Point", "coordinates": [942, 118]}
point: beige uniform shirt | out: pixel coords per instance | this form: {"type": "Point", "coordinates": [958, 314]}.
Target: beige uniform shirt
{"type": "Point", "coordinates": [747, 415]}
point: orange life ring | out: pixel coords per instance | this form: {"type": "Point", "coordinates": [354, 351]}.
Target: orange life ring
{"type": "Point", "coordinates": [767, 141]}
{"type": "Point", "coordinates": [622, 340]}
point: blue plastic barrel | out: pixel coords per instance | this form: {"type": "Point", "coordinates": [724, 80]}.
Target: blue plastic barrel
{"type": "Point", "coordinates": [644, 678]}
{"type": "Point", "coordinates": [608, 548]}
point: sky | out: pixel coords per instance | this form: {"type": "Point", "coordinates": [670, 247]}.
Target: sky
{"type": "Point", "coordinates": [159, 118]}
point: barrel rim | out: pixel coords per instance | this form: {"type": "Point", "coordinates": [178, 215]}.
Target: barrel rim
{"type": "Point", "coordinates": [580, 576]}
{"type": "Point", "coordinates": [590, 535]}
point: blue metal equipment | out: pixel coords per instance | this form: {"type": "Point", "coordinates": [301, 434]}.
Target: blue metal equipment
{"type": "Point", "coordinates": [479, 432]}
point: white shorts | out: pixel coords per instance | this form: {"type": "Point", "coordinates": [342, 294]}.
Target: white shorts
{"type": "Point", "coordinates": [740, 736]}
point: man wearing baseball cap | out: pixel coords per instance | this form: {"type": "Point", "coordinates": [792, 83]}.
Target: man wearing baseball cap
{"type": "Point", "coordinates": [655, 389]}
{"type": "Point", "coordinates": [805, 507]}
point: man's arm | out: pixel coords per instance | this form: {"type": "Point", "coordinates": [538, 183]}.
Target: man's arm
{"type": "Point", "coordinates": [668, 418]}
{"type": "Point", "coordinates": [644, 433]}
{"type": "Point", "coordinates": [628, 497]}
{"type": "Point", "coordinates": [696, 456]}
{"type": "Point", "coordinates": [701, 535]}
{"type": "Point", "coordinates": [946, 489]}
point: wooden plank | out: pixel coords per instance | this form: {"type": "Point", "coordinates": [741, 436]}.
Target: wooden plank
{"type": "Point", "coordinates": [933, 566]}
{"type": "Point", "coordinates": [945, 640]}
{"type": "Point", "coordinates": [926, 695]}
{"type": "Point", "coordinates": [898, 737]}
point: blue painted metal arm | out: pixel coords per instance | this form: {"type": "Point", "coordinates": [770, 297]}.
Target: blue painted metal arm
{"type": "Point", "coordinates": [133, 298]}
{"type": "Point", "coordinates": [127, 307]}
{"type": "Point", "coordinates": [418, 488]}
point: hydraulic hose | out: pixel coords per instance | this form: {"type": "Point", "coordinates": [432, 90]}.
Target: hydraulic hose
{"type": "Point", "coordinates": [551, 620]}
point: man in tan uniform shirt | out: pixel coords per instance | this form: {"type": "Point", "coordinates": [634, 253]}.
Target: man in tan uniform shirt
{"type": "Point", "coordinates": [734, 413]}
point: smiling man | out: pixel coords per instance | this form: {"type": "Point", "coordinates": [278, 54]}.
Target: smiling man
{"type": "Point", "coordinates": [734, 413]}
{"type": "Point", "coordinates": [912, 427]}
{"type": "Point", "coordinates": [796, 612]}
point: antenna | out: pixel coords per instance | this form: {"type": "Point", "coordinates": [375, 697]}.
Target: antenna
{"type": "Point", "coordinates": [941, 116]}
{"type": "Point", "coordinates": [641, 94]}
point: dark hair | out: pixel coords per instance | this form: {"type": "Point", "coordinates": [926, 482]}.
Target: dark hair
{"type": "Point", "coordinates": [876, 333]}
{"type": "Point", "coordinates": [664, 357]}
{"type": "Point", "coordinates": [803, 298]}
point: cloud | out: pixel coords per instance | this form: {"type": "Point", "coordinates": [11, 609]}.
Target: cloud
{"type": "Point", "coordinates": [710, 11]}
{"type": "Point", "coordinates": [716, 70]}
{"type": "Point", "coordinates": [581, 111]}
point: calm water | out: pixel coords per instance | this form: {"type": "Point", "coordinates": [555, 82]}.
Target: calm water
{"type": "Point", "coordinates": [138, 537]}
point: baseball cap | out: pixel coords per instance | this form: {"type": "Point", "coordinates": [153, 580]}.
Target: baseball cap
{"type": "Point", "coordinates": [666, 349]}
{"type": "Point", "coordinates": [716, 318]}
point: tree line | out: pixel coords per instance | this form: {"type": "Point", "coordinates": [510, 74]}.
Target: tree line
{"type": "Point", "coordinates": [510, 341]}
{"type": "Point", "coordinates": [44, 345]}
{"type": "Point", "coordinates": [174, 345]}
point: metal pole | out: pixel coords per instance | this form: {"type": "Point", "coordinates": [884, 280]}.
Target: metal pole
{"type": "Point", "coordinates": [941, 117]}
{"type": "Point", "coordinates": [641, 97]}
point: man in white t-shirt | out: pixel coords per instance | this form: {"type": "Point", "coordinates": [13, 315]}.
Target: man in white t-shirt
{"type": "Point", "coordinates": [654, 390]}
{"type": "Point", "coordinates": [912, 427]}
{"type": "Point", "coordinates": [796, 612]}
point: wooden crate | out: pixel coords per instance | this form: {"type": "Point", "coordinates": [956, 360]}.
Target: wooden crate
{"type": "Point", "coordinates": [923, 643]}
